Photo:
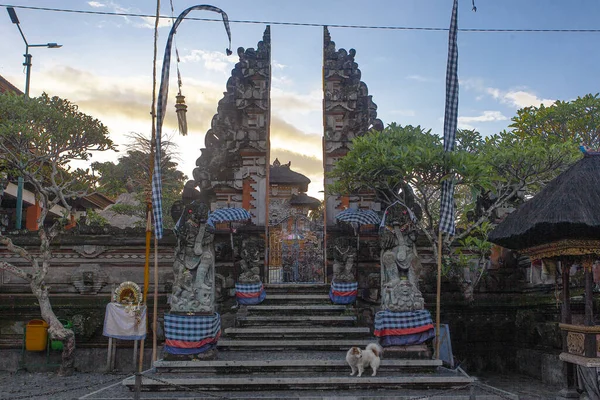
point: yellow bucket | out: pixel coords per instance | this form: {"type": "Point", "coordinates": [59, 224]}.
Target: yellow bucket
{"type": "Point", "coordinates": [36, 335]}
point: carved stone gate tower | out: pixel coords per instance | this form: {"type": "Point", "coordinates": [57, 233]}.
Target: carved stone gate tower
{"type": "Point", "coordinates": [348, 112]}
{"type": "Point", "coordinates": [232, 170]}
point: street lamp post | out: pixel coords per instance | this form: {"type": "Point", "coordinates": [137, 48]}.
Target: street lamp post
{"type": "Point", "coordinates": [15, 20]}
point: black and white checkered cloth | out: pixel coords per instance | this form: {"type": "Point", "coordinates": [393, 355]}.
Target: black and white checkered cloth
{"type": "Point", "coordinates": [228, 215]}
{"type": "Point", "coordinates": [191, 328]}
{"type": "Point", "coordinates": [450, 122]}
{"type": "Point", "coordinates": [162, 108]}
{"type": "Point", "coordinates": [358, 216]}
{"type": "Point", "coordinates": [402, 320]}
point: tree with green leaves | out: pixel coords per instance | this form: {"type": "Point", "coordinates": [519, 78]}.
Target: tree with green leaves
{"type": "Point", "coordinates": [577, 121]}
{"type": "Point", "coordinates": [39, 137]}
{"type": "Point", "coordinates": [408, 164]}
{"type": "Point", "coordinates": [131, 174]}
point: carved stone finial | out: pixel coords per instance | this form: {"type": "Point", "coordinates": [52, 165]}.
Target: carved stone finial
{"type": "Point", "coordinates": [276, 163]}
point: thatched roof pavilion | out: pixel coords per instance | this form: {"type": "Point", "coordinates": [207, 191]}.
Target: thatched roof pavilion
{"type": "Point", "coordinates": [567, 209]}
{"type": "Point", "coordinates": [563, 222]}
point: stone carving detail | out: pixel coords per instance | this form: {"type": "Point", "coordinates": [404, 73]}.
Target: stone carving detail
{"type": "Point", "coordinates": [89, 279]}
{"type": "Point", "coordinates": [576, 343]}
{"type": "Point", "coordinates": [349, 110]}
{"type": "Point", "coordinates": [194, 266]}
{"type": "Point", "coordinates": [240, 125]}
{"type": "Point", "coordinates": [89, 250]}
{"type": "Point", "coordinates": [250, 262]}
{"type": "Point", "coordinates": [344, 263]}
{"type": "Point", "coordinates": [400, 270]}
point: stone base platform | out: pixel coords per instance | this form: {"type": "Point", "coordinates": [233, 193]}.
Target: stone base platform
{"type": "Point", "coordinates": [417, 351]}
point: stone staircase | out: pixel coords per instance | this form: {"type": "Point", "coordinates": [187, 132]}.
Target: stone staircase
{"type": "Point", "coordinates": [295, 343]}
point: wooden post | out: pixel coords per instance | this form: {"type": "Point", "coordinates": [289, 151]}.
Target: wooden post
{"type": "Point", "coordinates": [113, 355]}
{"type": "Point", "coordinates": [590, 338]}
{"type": "Point", "coordinates": [109, 354]}
{"type": "Point", "coordinates": [439, 294]}
{"type": "Point", "coordinates": [565, 317]}
{"type": "Point", "coordinates": [155, 304]}
{"type": "Point", "coordinates": [135, 350]}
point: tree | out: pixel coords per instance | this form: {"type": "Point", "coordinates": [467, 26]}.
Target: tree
{"type": "Point", "coordinates": [39, 137]}
{"type": "Point", "coordinates": [131, 174]}
{"type": "Point", "coordinates": [408, 164]}
{"type": "Point", "coordinates": [577, 121]}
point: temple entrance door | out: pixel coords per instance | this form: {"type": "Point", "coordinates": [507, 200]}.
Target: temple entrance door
{"type": "Point", "coordinates": [296, 251]}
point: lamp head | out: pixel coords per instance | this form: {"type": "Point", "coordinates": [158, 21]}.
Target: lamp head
{"type": "Point", "coordinates": [54, 45]}
{"type": "Point", "coordinates": [13, 15]}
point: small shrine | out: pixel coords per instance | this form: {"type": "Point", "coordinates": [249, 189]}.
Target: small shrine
{"type": "Point", "coordinates": [288, 192]}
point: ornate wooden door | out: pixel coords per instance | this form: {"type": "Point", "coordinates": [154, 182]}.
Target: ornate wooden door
{"type": "Point", "coordinates": [296, 251]}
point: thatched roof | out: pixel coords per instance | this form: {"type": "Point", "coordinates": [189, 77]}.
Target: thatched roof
{"type": "Point", "coordinates": [567, 208]}
{"type": "Point", "coordinates": [302, 199]}
{"type": "Point", "coordinates": [282, 174]}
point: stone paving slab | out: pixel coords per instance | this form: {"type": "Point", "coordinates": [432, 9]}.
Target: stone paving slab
{"type": "Point", "coordinates": [286, 366]}
{"type": "Point", "coordinates": [295, 297]}
{"type": "Point", "coordinates": [250, 344]}
{"type": "Point", "coordinates": [305, 307]}
{"type": "Point", "coordinates": [303, 382]}
{"type": "Point", "coordinates": [275, 330]}
{"type": "Point", "coordinates": [304, 318]}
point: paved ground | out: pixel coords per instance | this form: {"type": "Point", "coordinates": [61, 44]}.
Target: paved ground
{"type": "Point", "coordinates": [26, 385]}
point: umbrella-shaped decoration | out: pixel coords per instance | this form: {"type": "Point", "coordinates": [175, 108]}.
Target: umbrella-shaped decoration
{"type": "Point", "coordinates": [231, 214]}
{"type": "Point", "coordinates": [357, 217]}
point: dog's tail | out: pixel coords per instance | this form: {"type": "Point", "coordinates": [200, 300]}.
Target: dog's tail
{"type": "Point", "coordinates": [375, 348]}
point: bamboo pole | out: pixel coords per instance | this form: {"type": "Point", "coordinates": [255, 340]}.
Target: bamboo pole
{"type": "Point", "coordinates": [148, 197]}
{"type": "Point", "coordinates": [155, 314]}
{"type": "Point", "coordinates": [439, 294]}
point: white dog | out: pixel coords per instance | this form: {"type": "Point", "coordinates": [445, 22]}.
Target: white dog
{"type": "Point", "coordinates": [359, 359]}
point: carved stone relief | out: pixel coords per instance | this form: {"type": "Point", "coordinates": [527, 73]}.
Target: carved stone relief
{"type": "Point", "coordinates": [89, 278]}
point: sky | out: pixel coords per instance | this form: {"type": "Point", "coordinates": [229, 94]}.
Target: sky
{"type": "Point", "coordinates": [105, 64]}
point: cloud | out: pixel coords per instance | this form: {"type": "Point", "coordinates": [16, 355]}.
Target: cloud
{"type": "Point", "coordinates": [281, 80]}
{"type": "Point", "coordinates": [285, 136]}
{"type": "Point", "coordinates": [148, 22]}
{"type": "Point", "coordinates": [96, 4]}
{"type": "Point", "coordinates": [487, 116]}
{"type": "Point", "coordinates": [420, 78]}
{"type": "Point", "coordinates": [212, 60]}
{"type": "Point", "coordinates": [277, 65]}
{"type": "Point", "coordinates": [123, 105]}
{"type": "Point", "coordinates": [522, 99]}
{"type": "Point", "coordinates": [518, 98]}
{"type": "Point", "coordinates": [287, 100]}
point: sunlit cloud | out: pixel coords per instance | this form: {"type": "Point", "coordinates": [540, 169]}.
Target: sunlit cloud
{"type": "Point", "coordinates": [148, 22]}
{"type": "Point", "coordinates": [96, 4]}
{"type": "Point", "coordinates": [123, 104]}
{"type": "Point", "coordinates": [486, 116]}
{"type": "Point", "coordinates": [211, 60]}
{"type": "Point", "coordinates": [517, 98]}
{"type": "Point", "coordinates": [286, 136]}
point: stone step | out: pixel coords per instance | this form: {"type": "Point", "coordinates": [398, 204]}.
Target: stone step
{"type": "Point", "coordinates": [297, 332]}
{"type": "Point", "coordinates": [171, 382]}
{"type": "Point", "coordinates": [311, 309]}
{"type": "Point", "coordinates": [296, 320]}
{"type": "Point", "coordinates": [270, 345]}
{"type": "Point", "coordinates": [265, 367]}
{"type": "Point", "coordinates": [316, 298]}
{"type": "Point", "coordinates": [297, 288]}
